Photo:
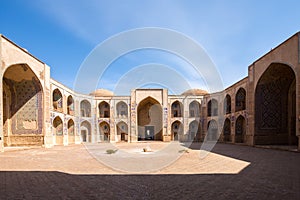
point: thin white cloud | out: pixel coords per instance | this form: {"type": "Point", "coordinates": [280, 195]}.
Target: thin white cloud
{"type": "Point", "coordinates": [216, 25]}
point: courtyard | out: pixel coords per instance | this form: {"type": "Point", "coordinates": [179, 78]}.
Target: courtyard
{"type": "Point", "coordinates": [82, 172]}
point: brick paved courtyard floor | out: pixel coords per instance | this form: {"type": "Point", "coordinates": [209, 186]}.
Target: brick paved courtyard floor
{"type": "Point", "coordinates": [168, 171]}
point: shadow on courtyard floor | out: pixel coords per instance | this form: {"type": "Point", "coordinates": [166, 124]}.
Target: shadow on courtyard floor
{"type": "Point", "coordinates": [272, 174]}
{"type": "Point", "coordinates": [56, 185]}
{"type": "Point", "coordinates": [292, 148]}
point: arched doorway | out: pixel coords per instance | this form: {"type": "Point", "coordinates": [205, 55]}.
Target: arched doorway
{"type": "Point", "coordinates": [194, 131]}
{"type": "Point", "coordinates": [22, 107]}
{"type": "Point", "coordinates": [104, 110]}
{"type": "Point", "coordinates": [85, 131]}
{"type": "Point", "coordinates": [240, 129]}
{"type": "Point", "coordinates": [227, 131]}
{"type": "Point", "coordinates": [85, 108]}
{"type": "Point", "coordinates": [212, 108]}
{"type": "Point", "coordinates": [122, 131]}
{"type": "Point", "coordinates": [176, 109]}
{"type": "Point", "coordinates": [176, 131]}
{"type": "Point", "coordinates": [194, 109]}
{"type": "Point", "coordinates": [70, 105]}
{"type": "Point", "coordinates": [227, 104]}
{"type": "Point", "coordinates": [58, 130]}
{"type": "Point", "coordinates": [149, 120]}
{"type": "Point", "coordinates": [240, 100]}
{"type": "Point", "coordinates": [275, 106]}
{"type": "Point", "coordinates": [122, 109]}
{"type": "Point", "coordinates": [71, 135]}
{"type": "Point", "coordinates": [212, 130]}
{"type": "Point", "coordinates": [57, 100]}
{"type": "Point", "coordinates": [104, 131]}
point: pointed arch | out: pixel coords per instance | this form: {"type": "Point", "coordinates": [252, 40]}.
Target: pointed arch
{"type": "Point", "coordinates": [212, 108]}
{"type": "Point", "coordinates": [227, 104]}
{"type": "Point", "coordinates": [70, 105]}
{"type": "Point", "coordinates": [22, 106]}
{"type": "Point", "coordinates": [194, 131]}
{"type": "Point", "coordinates": [212, 130]}
{"type": "Point", "coordinates": [104, 109]}
{"type": "Point", "coordinates": [240, 129]}
{"type": "Point", "coordinates": [227, 130]}
{"type": "Point", "coordinates": [85, 108]}
{"type": "Point", "coordinates": [122, 109]}
{"type": "Point", "coordinates": [57, 100]}
{"type": "Point", "coordinates": [122, 131]}
{"type": "Point", "coordinates": [149, 113]}
{"type": "Point", "coordinates": [85, 131]}
{"type": "Point", "coordinates": [176, 131]}
{"type": "Point", "coordinates": [58, 125]}
{"type": "Point", "coordinates": [176, 109]}
{"type": "Point", "coordinates": [58, 130]}
{"type": "Point", "coordinates": [275, 106]}
{"type": "Point", "coordinates": [194, 109]}
{"type": "Point", "coordinates": [104, 131]}
{"type": "Point", "coordinates": [240, 100]}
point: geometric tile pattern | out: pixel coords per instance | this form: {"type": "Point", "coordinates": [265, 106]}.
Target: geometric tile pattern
{"type": "Point", "coordinates": [271, 105]}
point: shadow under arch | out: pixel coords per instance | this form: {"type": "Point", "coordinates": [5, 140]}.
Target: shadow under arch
{"type": "Point", "coordinates": [275, 106]}
{"type": "Point", "coordinates": [22, 106]}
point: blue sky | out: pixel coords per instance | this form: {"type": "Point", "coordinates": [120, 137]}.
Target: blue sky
{"type": "Point", "coordinates": [233, 33]}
